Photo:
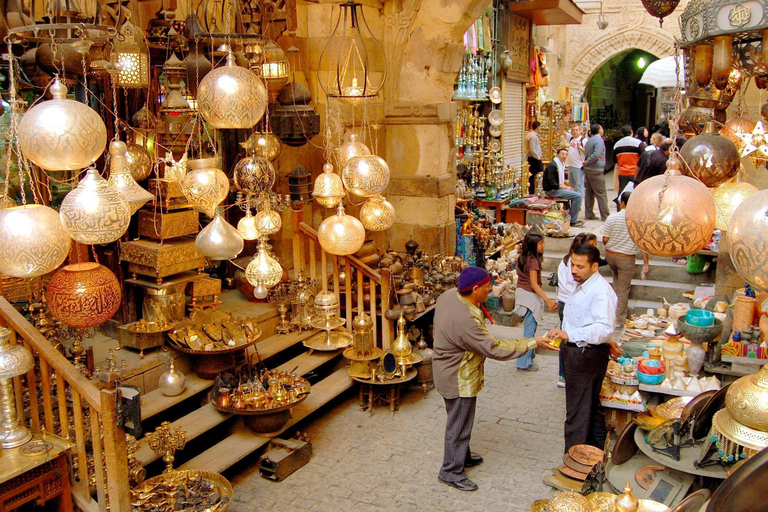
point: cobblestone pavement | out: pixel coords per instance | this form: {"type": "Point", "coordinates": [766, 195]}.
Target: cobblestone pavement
{"type": "Point", "coordinates": [381, 462]}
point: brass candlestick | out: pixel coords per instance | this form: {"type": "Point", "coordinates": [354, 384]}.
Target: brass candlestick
{"type": "Point", "coordinates": [166, 441]}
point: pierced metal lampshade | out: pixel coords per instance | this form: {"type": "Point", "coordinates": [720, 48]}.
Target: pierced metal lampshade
{"type": "Point", "coordinates": [253, 175]}
{"type": "Point", "coordinates": [365, 175]}
{"type": "Point", "coordinates": [728, 197]}
{"type": "Point", "coordinates": [62, 134]}
{"type": "Point", "coordinates": [219, 240]}
{"type": "Point", "coordinates": [32, 241]}
{"type": "Point", "coordinates": [268, 222]}
{"type": "Point", "coordinates": [329, 189]}
{"type": "Point", "coordinates": [231, 96]}
{"type": "Point", "coordinates": [263, 271]}
{"type": "Point", "coordinates": [351, 147]}
{"type": "Point", "coordinates": [247, 227]}
{"type": "Point", "coordinates": [15, 360]}
{"type": "Point", "coordinates": [95, 212]}
{"type": "Point", "coordinates": [377, 214]}
{"type": "Point", "coordinates": [83, 295]}
{"type": "Point", "coordinates": [131, 57]}
{"type": "Point", "coordinates": [746, 236]}
{"type": "Point", "coordinates": [341, 234]}
{"type": "Point", "coordinates": [264, 144]}
{"type": "Point", "coordinates": [711, 158]}
{"type": "Point", "coordinates": [274, 69]}
{"type": "Point", "coordinates": [121, 179]}
{"type": "Point", "coordinates": [206, 186]}
{"type": "Point", "coordinates": [139, 162]}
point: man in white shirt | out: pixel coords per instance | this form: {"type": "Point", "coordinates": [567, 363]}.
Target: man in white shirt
{"type": "Point", "coordinates": [587, 334]}
{"type": "Point", "coordinates": [575, 158]}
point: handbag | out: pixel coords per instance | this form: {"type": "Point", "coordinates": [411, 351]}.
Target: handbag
{"type": "Point", "coordinates": [553, 279]}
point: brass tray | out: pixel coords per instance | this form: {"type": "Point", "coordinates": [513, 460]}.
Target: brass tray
{"type": "Point", "coordinates": [339, 339]}
{"type": "Point", "coordinates": [646, 421]}
{"type": "Point", "coordinates": [414, 358]}
{"type": "Point", "coordinates": [586, 454]}
{"type": "Point", "coordinates": [225, 488]}
{"type": "Point", "coordinates": [673, 409]}
{"type": "Point", "coordinates": [227, 350]}
{"type": "Point", "coordinates": [376, 354]}
{"type": "Point", "coordinates": [255, 412]}
{"type": "Point", "coordinates": [332, 323]}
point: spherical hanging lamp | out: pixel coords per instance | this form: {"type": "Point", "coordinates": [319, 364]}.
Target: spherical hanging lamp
{"type": "Point", "coordinates": [268, 221]}
{"type": "Point", "coordinates": [247, 227]}
{"type": "Point", "coordinates": [95, 212]}
{"type": "Point", "coordinates": [660, 8]}
{"type": "Point", "coordinates": [365, 175]}
{"type": "Point", "coordinates": [231, 96]}
{"type": "Point", "coordinates": [253, 175]}
{"type": "Point", "coordinates": [205, 186]}
{"type": "Point", "coordinates": [121, 179]}
{"type": "Point", "coordinates": [377, 214]}
{"type": "Point", "coordinates": [264, 271]}
{"type": "Point", "coordinates": [329, 189]}
{"type": "Point", "coordinates": [83, 295]}
{"type": "Point", "coordinates": [274, 69]}
{"type": "Point", "coordinates": [728, 197]}
{"type": "Point", "coordinates": [710, 157]}
{"type": "Point", "coordinates": [139, 162]}
{"type": "Point", "coordinates": [341, 234]}
{"type": "Point", "coordinates": [351, 147]}
{"type": "Point", "coordinates": [219, 240]}
{"type": "Point", "coordinates": [671, 215]}
{"type": "Point", "coordinates": [62, 134]}
{"type": "Point", "coordinates": [32, 241]}
{"type": "Point", "coordinates": [264, 144]}
{"type": "Point", "coordinates": [747, 232]}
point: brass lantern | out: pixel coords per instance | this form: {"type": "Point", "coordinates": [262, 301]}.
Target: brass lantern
{"type": "Point", "coordinates": [362, 334]}
{"type": "Point", "coordinates": [377, 214]}
{"type": "Point", "coordinates": [131, 57]}
{"type": "Point", "coordinates": [299, 184]}
{"type": "Point", "coordinates": [660, 8]}
{"type": "Point", "coordinates": [32, 240]}
{"type": "Point", "coordinates": [274, 69]}
{"type": "Point", "coordinates": [329, 189]}
{"type": "Point", "coordinates": [747, 231]}
{"type": "Point", "coordinates": [341, 234]}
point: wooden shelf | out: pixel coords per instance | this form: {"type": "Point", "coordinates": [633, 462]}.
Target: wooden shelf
{"type": "Point", "coordinates": [623, 407]}
{"type": "Point", "coordinates": [667, 391]}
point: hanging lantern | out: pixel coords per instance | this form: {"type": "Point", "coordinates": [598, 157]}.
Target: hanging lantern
{"type": "Point", "coordinates": [710, 157]}
{"type": "Point", "coordinates": [253, 175]}
{"type": "Point", "coordinates": [703, 64]}
{"type": "Point", "coordinates": [341, 234]}
{"type": "Point", "coordinates": [62, 134]}
{"type": "Point", "coordinates": [264, 144]}
{"type": "Point", "coordinates": [232, 97]}
{"type": "Point", "coordinates": [722, 60]}
{"type": "Point", "coordinates": [329, 189]}
{"type": "Point", "coordinates": [174, 72]}
{"type": "Point", "coordinates": [274, 69]}
{"type": "Point", "coordinates": [365, 175]}
{"type": "Point", "coordinates": [131, 57]}
{"type": "Point", "coordinates": [294, 121]}
{"type": "Point", "coordinates": [344, 70]}
{"type": "Point", "coordinates": [671, 215]}
{"type": "Point", "coordinates": [377, 214]}
{"type": "Point", "coordinates": [219, 240]}
{"type": "Point", "coordinates": [350, 148]}
{"type": "Point", "coordinates": [95, 212]}
{"type": "Point", "coordinates": [205, 186]}
{"type": "Point", "coordinates": [747, 232]}
{"type": "Point", "coordinates": [264, 271]}
{"type": "Point", "coordinates": [32, 241]}
{"type": "Point", "coordinates": [268, 221]}
{"type": "Point", "coordinates": [121, 179]}
{"type": "Point", "coordinates": [247, 227]}
{"type": "Point", "coordinates": [660, 8]}
{"type": "Point", "coordinates": [299, 184]}
{"type": "Point", "coordinates": [83, 295]}
{"type": "Point", "coordinates": [728, 197]}
{"type": "Point", "coordinates": [139, 162]}
{"type": "Point", "coordinates": [736, 128]}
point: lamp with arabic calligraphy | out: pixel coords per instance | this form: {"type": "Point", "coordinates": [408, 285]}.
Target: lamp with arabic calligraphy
{"type": "Point", "coordinates": [32, 241]}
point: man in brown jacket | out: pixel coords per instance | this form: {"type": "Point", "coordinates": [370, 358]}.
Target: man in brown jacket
{"type": "Point", "coordinates": [462, 343]}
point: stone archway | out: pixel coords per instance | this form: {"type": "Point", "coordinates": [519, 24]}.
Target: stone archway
{"type": "Point", "coordinates": [589, 60]}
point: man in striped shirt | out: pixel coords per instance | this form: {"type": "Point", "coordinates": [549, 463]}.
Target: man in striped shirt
{"type": "Point", "coordinates": [627, 152]}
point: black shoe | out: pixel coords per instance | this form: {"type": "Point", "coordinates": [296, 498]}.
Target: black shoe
{"type": "Point", "coordinates": [473, 460]}
{"type": "Point", "coordinates": [463, 485]}
{"type": "Point", "coordinates": [577, 224]}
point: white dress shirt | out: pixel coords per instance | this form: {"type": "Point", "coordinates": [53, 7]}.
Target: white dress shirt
{"type": "Point", "coordinates": [560, 170]}
{"type": "Point", "coordinates": [590, 312]}
{"type": "Point", "coordinates": [565, 281]}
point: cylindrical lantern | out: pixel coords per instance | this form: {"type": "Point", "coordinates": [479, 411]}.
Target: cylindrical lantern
{"type": "Point", "coordinates": [747, 233]}
{"type": "Point", "coordinates": [362, 334]}
{"type": "Point", "coordinates": [232, 97]}
{"type": "Point", "coordinates": [671, 215]}
{"type": "Point", "coordinates": [351, 147]}
{"type": "Point", "coordinates": [274, 69]}
{"type": "Point", "coordinates": [365, 175]}
{"type": "Point", "coordinates": [703, 64]}
{"type": "Point", "coordinates": [722, 60]}
{"type": "Point", "coordinates": [710, 157]}
{"type": "Point", "coordinates": [62, 134]}
{"type": "Point", "coordinates": [83, 295]}
{"type": "Point", "coordinates": [329, 189]}
{"type": "Point", "coordinates": [219, 240]}
{"type": "Point", "coordinates": [341, 234]}
{"type": "Point", "coordinates": [205, 186]}
{"type": "Point", "coordinates": [299, 184]}
{"type": "Point", "coordinates": [32, 241]}
{"type": "Point", "coordinates": [121, 179]}
{"type": "Point", "coordinates": [377, 214]}
{"type": "Point", "coordinates": [728, 197]}
{"type": "Point", "coordinates": [253, 175]}
{"type": "Point", "coordinates": [131, 57]}
{"type": "Point", "coordinates": [95, 212]}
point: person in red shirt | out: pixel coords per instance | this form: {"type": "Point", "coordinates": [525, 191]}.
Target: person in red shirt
{"type": "Point", "coordinates": [627, 152]}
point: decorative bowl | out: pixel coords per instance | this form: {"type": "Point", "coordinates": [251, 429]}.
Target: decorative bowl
{"type": "Point", "coordinates": [698, 333]}
{"type": "Point", "coordinates": [651, 380]}
{"type": "Point", "coordinates": [700, 318]}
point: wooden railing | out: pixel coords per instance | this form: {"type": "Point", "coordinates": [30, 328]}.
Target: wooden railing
{"type": "Point", "coordinates": [56, 398]}
{"type": "Point", "coordinates": [307, 251]}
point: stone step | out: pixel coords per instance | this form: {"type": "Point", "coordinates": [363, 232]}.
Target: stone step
{"type": "Point", "coordinates": [562, 245]}
{"type": "Point", "coordinates": [647, 290]}
{"type": "Point", "coordinates": [242, 441]}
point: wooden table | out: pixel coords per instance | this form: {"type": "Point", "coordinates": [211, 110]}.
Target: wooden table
{"type": "Point", "coordinates": [387, 392]}
{"type": "Point", "coordinates": [38, 478]}
{"type": "Point", "coordinates": [496, 205]}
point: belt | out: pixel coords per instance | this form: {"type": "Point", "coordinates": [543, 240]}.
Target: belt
{"type": "Point", "coordinates": [587, 345]}
{"type": "Point", "coordinates": [619, 253]}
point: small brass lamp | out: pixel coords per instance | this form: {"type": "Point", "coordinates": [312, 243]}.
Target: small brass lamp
{"type": "Point", "coordinates": [274, 69]}
{"type": "Point", "coordinates": [362, 334]}
{"type": "Point", "coordinates": [15, 360]}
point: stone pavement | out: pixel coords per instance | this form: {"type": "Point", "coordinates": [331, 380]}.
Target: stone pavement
{"type": "Point", "coordinates": [382, 462]}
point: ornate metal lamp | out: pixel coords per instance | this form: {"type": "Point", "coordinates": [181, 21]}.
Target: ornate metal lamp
{"type": "Point", "coordinates": [274, 69]}
{"type": "Point", "coordinates": [660, 8]}
{"type": "Point", "coordinates": [300, 184]}
{"type": "Point", "coordinates": [131, 57]}
{"type": "Point", "coordinates": [264, 271]}
{"type": "Point", "coordinates": [15, 360]}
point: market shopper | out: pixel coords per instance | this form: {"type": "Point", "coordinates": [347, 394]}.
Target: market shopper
{"type": "Point", "coordinates": [530, 299]}
{"type": "Point", "coordinates": [653, 163]}
{"type": "Point", "coordinates": [575, 159]}
{"type": "Point", "coordinates": [554, 185]}
{"type": "Point", "coordinates": [627, 151]}
{"type": "Point", "coordinates": [462, 343]}
{"type": "Point", "coordinates": [587, 343]}
{"type": "Point", "coordinates": [535, 165]}
{"type": "Point", "coordinates": [594, 167]}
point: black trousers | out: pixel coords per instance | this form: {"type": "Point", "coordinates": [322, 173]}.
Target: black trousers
{"type": "Point", "coordinates": [584, 372]}
{"type": "Point", "coordinates": [458, 429]}
{"type": "Point", "coordinates": [535, 166]}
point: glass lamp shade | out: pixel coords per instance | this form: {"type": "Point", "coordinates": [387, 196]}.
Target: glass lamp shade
{"type": "Point", "coordinates": [268, 222]}
{"type": "Point", "coordinates": [711, 158]}
{"type": "Point", "coordinates": [341, 234]}
{"type": "Point", "coordinates": [219, 240]}
{"type": "Point", "coordinates": [274, 68]}
{"type": "Point", "coordinates": [15, 359]}
{"type": "Point", "coordinates": [747, 232]}
{"type": "Point", "coordinates": [205, 189]}
{"type": "Point", "coordinates": [377, 214]}
{"type": "Point", "coordinates": [253, 175]}
{"type": "Point", "coordinates": [121, 179]}
{"type": "Point", "coordinates": [62, 134]}
{"type": "Point", "coordinates": [263, 270]}
{"type": "Point", "coordinates": [671, 215]}
{"type": "Point", "coordinates": [247, 227]}
{"type": "Point", "coordinates": [264, 144]}
{"type": "Point", "coordinates": [329, 189]}
{"type": "Point", "coordinates": [83, 295]}
{"type": "Point", "coordinates": [95, 212]}
{"type": "Point", "coordinates": [365, 175]}
{"type": "Point", "coordinates": [32, 241]}
{"type": "Point", "coordinates": [728, 197]}
{"type": "Point", "coordinates": [139, 162]}
{"type": "Point", "coordinates": [351, 147]}
{"type": "Point", "coordinates": [231, 97]}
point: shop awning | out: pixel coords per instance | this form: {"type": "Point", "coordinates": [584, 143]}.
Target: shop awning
{"type": "Point", "coordinates": [547, 12]}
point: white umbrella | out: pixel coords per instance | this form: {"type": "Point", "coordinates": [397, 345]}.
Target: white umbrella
{"type": "Point", "coordinates": [661, 73]}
